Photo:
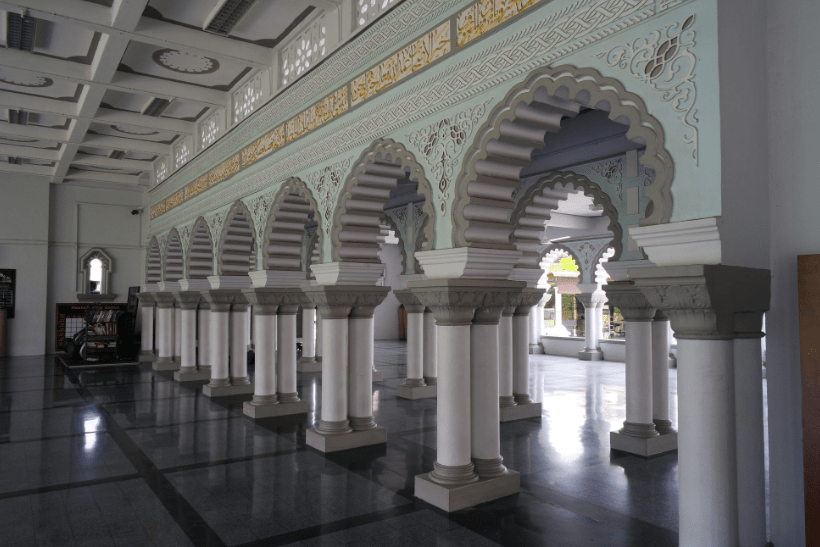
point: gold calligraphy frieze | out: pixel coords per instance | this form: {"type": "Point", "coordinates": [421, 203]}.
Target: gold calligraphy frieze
{"type": "Point", "coordinates": [196, 187]}
{"type": "Point", "coordinates": [158, 209]}
{"type": "Point", "coordinates": [223, 170]}
{"type": "Point", "coordinates": [485, 15]}
{"type": "Point", "coordinates": [264, 146]}
{"type": "Point", "coordinates": [174, 199]}
{"type": "Point", "coordinates": [322, 112]}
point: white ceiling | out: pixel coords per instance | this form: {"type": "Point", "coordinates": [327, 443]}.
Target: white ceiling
{"type": "Point", "coordinates": [96, 64]}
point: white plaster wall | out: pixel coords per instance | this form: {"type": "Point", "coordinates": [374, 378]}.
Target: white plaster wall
{"type": "Point", "coordinates": [24, 246]}
{"type": "Point", "coordinates": [793, 132]}
{"type": "Point", "coordinates": [386, 318]}
{"type": "Point", "coordinates": [83, 217]}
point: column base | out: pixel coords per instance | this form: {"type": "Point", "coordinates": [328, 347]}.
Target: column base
{"type": "Point", "coordinates": [226, 391]}
{"type": "Point", "coordinates": [519, 412]}
{"type": "Point", "coordinates": [536, 349]}
{"type": "Point", "coordinates": [456, 497]}
{"type": "Point", "coordinates": [588, 354]}
{"type": "Point", "coordinates": [645, 447]}
{"type": "Point", "coordinates": [344, 441]}
{"type": "Point", "coordinates": [378, 376]}
{"type": "Point", "coordinates": [192, 376]}
{"type": "Point", "coordinates": [272, 410]}
{"type": "Point", "coordinates": [664, 427]}
{"type": "Point", "coordinates": [147, 356]}
{"type": "Point", "coordinates": [164, 363]}
{"type": "Point", "coordinates": [416, 392]}
{"type": "Point", "coordinates": [308, 366]}
{"type": "Point", "coordinates": [178, 359]}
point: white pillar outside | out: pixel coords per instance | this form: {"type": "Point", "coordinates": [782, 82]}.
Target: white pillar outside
{"type": "Point", "coordinates": [239, 341]}
{"type": "Point", "coordinates": [430, 344]}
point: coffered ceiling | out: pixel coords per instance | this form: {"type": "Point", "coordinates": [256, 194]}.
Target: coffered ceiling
{"type": "Point", "coordinates": [76, 77]}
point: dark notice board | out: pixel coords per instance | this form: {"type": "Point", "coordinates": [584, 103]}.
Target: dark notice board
{"type": "Point", "coordinates": [71, 318]}
{"type": "Point", "coordinates": [7, 287]}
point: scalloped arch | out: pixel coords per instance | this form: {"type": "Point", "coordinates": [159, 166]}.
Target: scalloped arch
{"type": "Point", "coordinates": [350, 213]}
{"type": "Point", "coordinates": [578, 182]}
{"type": "Point", "coordinates": [153, 262]}
{"type": "Point", "coordinates": [200, 242]}
{"type": "Point", "coordinates": [293, 186]}
{"type": "Point", "coordinates": [173, 261]}
{"type": "Point", "coordinates": [235, 266]}
{"type": "Point", "coordinates": [567, 83]}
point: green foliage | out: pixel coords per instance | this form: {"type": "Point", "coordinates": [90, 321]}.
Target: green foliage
{"type": "Point", "coordinates": [564, 265]}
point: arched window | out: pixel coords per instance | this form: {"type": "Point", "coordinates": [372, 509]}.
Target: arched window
{"type": "Point", "coordinates": [96, 268]}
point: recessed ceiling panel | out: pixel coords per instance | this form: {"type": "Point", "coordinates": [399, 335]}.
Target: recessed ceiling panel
{"type": "Point", "coordinates": [120, 100]}
{"type": "Point", "coordinates": [17, 140]}
{"type": "Point", "coordinates": [184, 111]}
{"type": "Point", "coordinates": [132, 132]}
{"type": "Point", "coordinates": [31, 83]}
{"type": "Point", "coordinates": [169, 64]}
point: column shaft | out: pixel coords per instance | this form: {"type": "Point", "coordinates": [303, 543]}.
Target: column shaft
{"type": "Point", "coordinates": [660, 374]}
{"type": "Point", "coordinates": [360, 373]}
{"type": "Point", "coordinates": [638, 379]}
{"type": "Point", "coordinates": [308, 334]}
{"type": "Point", "coordinates": [415, 349]}
{"type": "Point", "coordinates": [454, 430]}
{"type": "Point", "coordinates": [335, 378]}
{"type": "Point", "coordinates": [220, 345]}
{"type": "Point", "coordinates": [177, 334]}
{"type": "Point", "coordinates": [286, 356]}
{"type": "Point", "coordinates": [265, 359]}
{"type": "Point", "coordinates": [318, 336]}
{"type": "Point", "coordinates": [430, 348]}
{"type": "Point", "coordinates": [147, 336]}
{"type": "Point", "coordinates": [188, 338]}
{"type": "Point", "coordinates": [521, 358]}
{"type": "Point", "coordinates": [204, 353]}
{"type": "Point", "coordinates": [707, 464]}
{"type": "Point", "coordinates": [505, 360]}
{"type": "Point", "coordinates": [165, 340]}
{"type": "Point", "coordinates": [239, 346]}
{"type": "Point", "coordinates": [484, 419]}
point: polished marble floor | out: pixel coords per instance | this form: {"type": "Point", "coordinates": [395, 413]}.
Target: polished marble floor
{"type": "Point", "coordinates": [126, 456]}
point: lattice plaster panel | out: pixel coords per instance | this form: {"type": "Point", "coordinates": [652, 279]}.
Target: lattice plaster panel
{"type": "Point", "coordinates": [160, 171]}
{"type": "Point", "coordinates": [247, 98]}
{"type": "Point", "coordinates": [367, 10]}
{"type": "Point", "coordinates": [304, 50]}
{"type": "Point", "coordinates": [182, 152]}
{"type": "Point", "coordinates": [210, 128]}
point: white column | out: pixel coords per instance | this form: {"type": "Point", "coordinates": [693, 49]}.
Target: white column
{"type": "Point", "coordinates": [220, 344]}
{"type": "Point", "coordinates": [453, 463]}
{"type": "Point", "coordinates": [177, 334]}
{"type": "Point", "coordinates": [751, 470]}
{"type": "Point", "coordinates": [638, 377]}
{"type": "Point", "coordinates": [505, 358]}
{"type": "Point", "coordinates": [286, 354]}
{"type": "Point", "coordinates": [264, 390]}
{"type": "Point", "coordinates": [484, 419]}
{"type": "Point", "coordinates": [308, 335]}
{"type": "Point", "coordinates": [360, 372]}
{"type": "Point", "coordinates": [335, 375]}
{"type": "Point", "coordinates": [559, 320]}
{"type": "Point", "coordinates": [415, 349]}
{"type": "Point", "coordinates": [707, 463]}
{"type": "Point", "coordinates": [318, 336]}
{"type": "Point", "coordinates": [520, 355]}
{"type": "Point", "coordinates": [204, 342]}
{"type": "Point", "coordinates": [239, 342]}
{"type": "Point", "coordinates": [147, 336]}
{"type": "Point", "coordinates": [249, 328]}
{"type": "Point", "coordinates": [188, 339]}
{"type": "Point", "coordinates": [165, 326]}
{"type": "Point", "coordinates": [430, 348]}
{"type": "Point", "coordinates": [660, 374]}
{"type": "Point", "coordinates": [593, 303]}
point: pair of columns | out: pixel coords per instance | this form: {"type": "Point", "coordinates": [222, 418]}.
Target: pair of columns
{"type": "Point", "coordinates": [310, 334]}
{"type": "Point", "coordinates": [469, 468]}
{"type": "Point", "coordinates": [537, 324]}
{"type": "Point", "coordinates": [514, 348]}
{"type": "Point", "coordinates": [147, 302]}
{"type": "Point", "coordinates": [647, 430]}
{"type": "Point", "coordinates": [275, 392]}
{"type": "Point", "coordinates": [593, 303]}
{"type": "Point", "coordinates": [716, 314]}
{"type": "Point", "coordinates": [228, 340]}
{"type": "Point", "coordinates": [347, 370]}
{"type": "Point", "coordinates": [422, 375]}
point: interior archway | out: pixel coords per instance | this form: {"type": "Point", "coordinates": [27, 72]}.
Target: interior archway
{"type": "Point", "coordinates": [517, 137]}
{"type": "Point", "coordinates": [153, 262]}
{"type": "Point", "coordinates": [292, 212]}
{"type": "Point", "coordinates": [174, 263]}
{"type": "Point", "coordinates": [366, 194]}
{"type": "Point", "coordinates": [237, 248]}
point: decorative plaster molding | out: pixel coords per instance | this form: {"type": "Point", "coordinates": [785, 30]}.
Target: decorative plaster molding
{"type": "Point", "coordinates": [441, 144]}
{"type": "Point", "coordinates": [631, 301]}
{"type": "Point", "coordinates": [666, 62]}
{"type": "Point", "coordinates": [687, 242]}
{"type": "Point", "coordinates": [468, 262]}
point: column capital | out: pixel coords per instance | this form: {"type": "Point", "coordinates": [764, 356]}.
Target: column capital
{"type": "Point", "coordinates": [188, 300]}
{"type": "Point", "coordinates": [272, 300]}
{"type": "Point", "coordinates": [146, 298]}
{"type": "Point", "coordinates": [629, 299]}
{"type": "Point", "coordinates": [240, 302]}
{"type": "Point", "coordinates": [525, 300]}
{"type": "Point", "coordinates": [595, 299]}
{"type": "Point", "coordinates": [333, 301]}
{"type": "Point", "coordinates": [164, 299]}
{"type": "Point", "coordinates": [459, 301]}
{"type": "Point", "coordinates": [707, 301]}
{"type": "Point", "coordinates": [367, 298]}
{"type": "Point", "coordinates": [306, 302]}
{"type": "Point", "coordinates": [409, 300]}
{"type": "Point", "coordinates": [220, 299]}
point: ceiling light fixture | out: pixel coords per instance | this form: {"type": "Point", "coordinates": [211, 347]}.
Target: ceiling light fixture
{"type": "Point", "coordinates": [20, 31]}
{"type": "Point", "coordinates": [117, 154]}
{"type": "Point", "coordinates": [18, 117]}
{"type": "Point", "coordinates": [224, 17]}
{"type": "Point", "coordinates": [15, 161]}
{"type": "Point", "coordinates": [156, 107]}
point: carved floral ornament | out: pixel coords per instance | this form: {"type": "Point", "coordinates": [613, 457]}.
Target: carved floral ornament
{"type": "Point", "coordinates": [326, 184]}
{"type": "Point", "coordinates": [665, 61]}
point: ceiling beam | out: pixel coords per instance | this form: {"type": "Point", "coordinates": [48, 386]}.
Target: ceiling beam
{"type": "Point", "coordinates": [33, 132]}
{"type": "Point", "coordinates": [29, 152]}
{"type": "Point", "coordinates": [106, 141]}
{"type": "Point", "coordinates": [74, 174]}
{"type": "Point", "coordinates": [114, 117]}
{"type": "Point", "coordinates": [100, 161]}
{"type": "Point", "coordinates": [38, 170]}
